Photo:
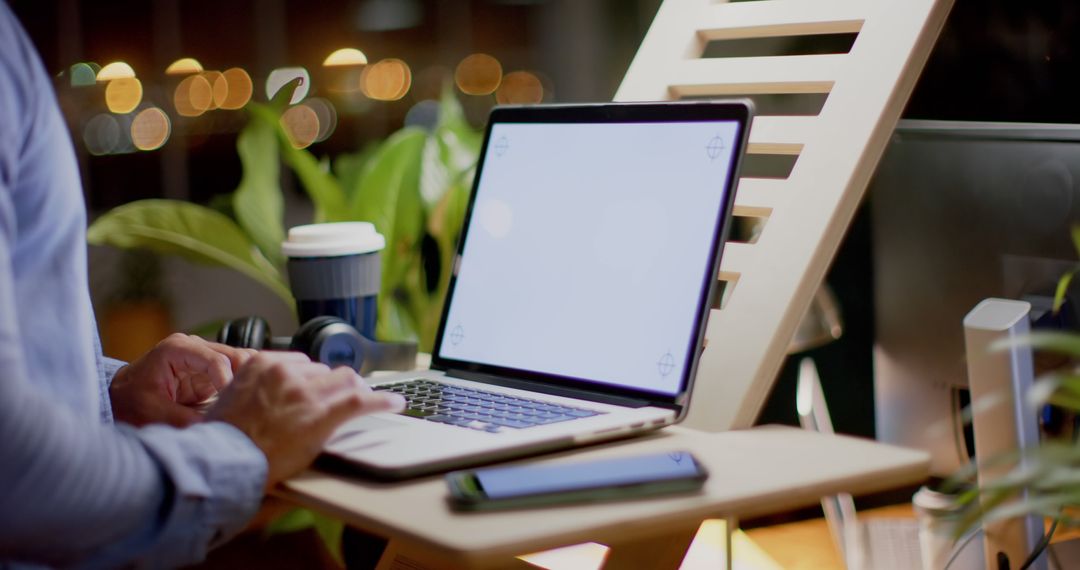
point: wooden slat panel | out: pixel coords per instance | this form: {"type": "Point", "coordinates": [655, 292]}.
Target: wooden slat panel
{"type": "Point", "coordinates": [837, 153]}
{"type": "Point", "coordinates": [773, 18]}
{"type": "Point", "coordinates": [757, 197]}
{"type": "Point", "coordinates": [752, 75]}
{"type": "Point", "coordinates": [781, 135]}
{"type": "Point", "coordinates": [737, 257]}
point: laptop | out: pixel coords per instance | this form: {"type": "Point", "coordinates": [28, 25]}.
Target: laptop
{"type": "Point", "coordinates": [584, 277]}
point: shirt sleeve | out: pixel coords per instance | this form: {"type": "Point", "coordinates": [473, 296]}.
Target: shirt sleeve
{"type": "Point", "coordinates": [106, 370]}
{"type": "Point", "coordinates": [76, 491]}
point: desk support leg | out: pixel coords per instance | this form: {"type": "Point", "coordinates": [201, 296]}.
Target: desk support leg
{"type": "Point", "coordinates": [731, 524]}
{"type": "Point", "coordinates": [664, 551]}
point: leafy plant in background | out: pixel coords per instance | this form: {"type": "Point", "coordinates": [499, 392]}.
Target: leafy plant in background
{"type": "Point", "coordinates": [414, 187]}
{"type": "Point", "coordinates": [1051, 472]}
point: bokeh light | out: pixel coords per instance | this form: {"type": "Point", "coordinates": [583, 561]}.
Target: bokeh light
{"type": "Point", "coordinates": [478, 74]}
{"type": "Point", "coordinates": [123, 95]}
{"type": "Point", "coordinates": [387, 80]}
{"type": "Point", "coordinates": [150, 129]}
{"type": "Point", "coordinates": [345, 57]}
{"type": "Point", "coordinates": [184, 66]}
{"type": "Point", "coordinates": [327, 115]}
{"type": "Point", "coordinates": [279, 77]}
{"type": "Point", "coordinates": [239, 88]}
{"type": "Point", "coordinates": [101, 134]}
{"type": "Point", "coordinates": [301, 125]}
{"type": "Point", "coordinates": [116, 70]}
{"type": "Point", "coordinates": [520, 87]}
{"type": "Point", "coordinates": [82, 75]}
{"type": "Point", "coordinates": [194, 96]}
{"type": "Point", "coordinates": [219, 88]}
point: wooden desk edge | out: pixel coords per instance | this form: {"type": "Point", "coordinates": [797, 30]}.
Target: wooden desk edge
{"type": "Point", "coordinates": [626, 531]}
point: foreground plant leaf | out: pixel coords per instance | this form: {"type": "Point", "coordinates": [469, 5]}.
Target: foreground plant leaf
{"type": "Point", "coordinates": [188, 230]}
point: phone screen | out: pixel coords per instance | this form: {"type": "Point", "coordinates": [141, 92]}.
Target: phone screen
{"type": "Point", "coordinates": [510, 482]}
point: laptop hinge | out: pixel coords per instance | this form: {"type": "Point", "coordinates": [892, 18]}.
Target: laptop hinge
{"type": "Point", "coordinates": [549, 389]}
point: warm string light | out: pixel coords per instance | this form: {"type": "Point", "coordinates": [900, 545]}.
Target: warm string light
{"type": "Point", "coordinates": [123, 95]}
{"type": "Point", "coordinates": [82, 75]}
{"type": "Point", "coordinates": [240, 89]}
{"type": "Point", "coordinates": [386, 80]}
{"type": "Point", "coordinates": [132, 125]}
{"type": "Point", "coordinates": [301, 125]}
{"type": "Point", "coordinates": [193, 96]}
{"type": "Point", "coordinates": [520, 87]}
{"type": "Point", "coordinates": [184, 66]}
{"type": "Point", "coordinates": [150, 129]}
{"type": "Point", "coordinates": [478, 74]}
{"type": "Point", "coordinates": [115, 70]}
{"type": "Point", "coordinates": [345, 57]}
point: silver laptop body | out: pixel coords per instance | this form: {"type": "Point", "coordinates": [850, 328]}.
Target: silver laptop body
{"type": "Point", "coordinates": [585, 274]}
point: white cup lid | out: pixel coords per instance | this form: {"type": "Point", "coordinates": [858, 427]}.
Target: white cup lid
{"type": "Point", "coordinates": [327, 240]}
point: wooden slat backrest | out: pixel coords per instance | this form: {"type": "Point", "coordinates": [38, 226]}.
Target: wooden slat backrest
{"type": "Point", "coordinates": [771, 282]}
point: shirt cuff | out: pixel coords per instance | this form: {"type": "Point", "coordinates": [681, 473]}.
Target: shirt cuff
{"type": "Point", "coordinates": [112, 366]}
{"type": "Point", "coordinates": [217, 476]}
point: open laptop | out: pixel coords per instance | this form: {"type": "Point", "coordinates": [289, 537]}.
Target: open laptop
{"type": "Point", "coordinates": [577, 306]}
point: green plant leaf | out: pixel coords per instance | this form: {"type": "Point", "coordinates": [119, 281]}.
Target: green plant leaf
{"type": "Point", "coordinates": [321, 186]}
{"type": "Point", "coordinates": [1059, 342]}
{"type": "Point", "coordinates": [330, 531]}
{"type": "Point", "coordinates": [193, 232]}
{"type": "Point", "coordinates": [257, 202]}
{"type": "Point", "coordinates": [1062, 288]}
{"type": "Point", "coordinates": [389, 197]}
{"type": "Point", "coordinates": [293, 521]}
{"type": "Point", "coordinates": [350, 169]}
{"type": "Point", "coordinates": [394, 320]}
{"type": "Point", "coordinates": [451, 152]}
{"type": "Point", "coordinates": [1075, 232]}
{"type": "Point", "coordinates": [393, 166]}
{"type": "Point", "coordinates": [444, 225]}
{"type": "Point", "coordinates": [452, 119]}
{"type": "Point", "coordinates": [282, 99]}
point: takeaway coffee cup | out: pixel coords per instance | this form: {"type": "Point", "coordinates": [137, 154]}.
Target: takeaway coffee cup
{"type": "Point", "coordinates": [334, 271]}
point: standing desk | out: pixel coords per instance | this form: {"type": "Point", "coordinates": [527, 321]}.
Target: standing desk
{"type": "Point", "coordinates": [752, 472]}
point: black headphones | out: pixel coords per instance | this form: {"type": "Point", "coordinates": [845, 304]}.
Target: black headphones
{"type": "Point", "coordinates": [329, 340]}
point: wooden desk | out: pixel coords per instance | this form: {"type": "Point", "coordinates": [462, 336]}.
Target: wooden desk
{"type": "Point", "coordinates": [753, 472]}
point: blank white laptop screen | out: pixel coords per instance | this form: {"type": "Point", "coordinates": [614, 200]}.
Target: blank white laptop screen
{"type": "Point", "coordinates": [587, 248]}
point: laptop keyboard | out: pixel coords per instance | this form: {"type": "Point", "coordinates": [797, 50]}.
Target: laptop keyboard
{"type": "Point", "coordinates": [478, 409]}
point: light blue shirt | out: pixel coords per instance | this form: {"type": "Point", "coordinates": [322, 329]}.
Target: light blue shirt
{"type": "Point", "coordinates": [76, 490]}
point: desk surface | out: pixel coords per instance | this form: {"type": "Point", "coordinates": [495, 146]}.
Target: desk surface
{"type": "Point", "coordinates": [752, 472]}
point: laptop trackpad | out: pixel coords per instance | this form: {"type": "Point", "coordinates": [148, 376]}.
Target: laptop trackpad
{"type": "Point", "coordinates": [364, 425]}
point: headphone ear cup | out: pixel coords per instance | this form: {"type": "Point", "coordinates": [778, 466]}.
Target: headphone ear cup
{"type": "Point", "coordinates": [248, 332]}
{"type": "Point", "coordinates": [302, 340]}
{"type": "Point", "coordinates": [331, 341]}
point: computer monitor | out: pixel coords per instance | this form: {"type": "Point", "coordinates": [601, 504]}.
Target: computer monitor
{"type": "Point", "coordinates": [961, 211]}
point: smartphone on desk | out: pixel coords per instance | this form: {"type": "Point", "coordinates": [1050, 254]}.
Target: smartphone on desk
{"type": "Point", "coordinates": [576, 482]}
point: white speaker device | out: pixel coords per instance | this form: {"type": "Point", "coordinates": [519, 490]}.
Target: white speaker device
{"type": "Point", "coordinates": [1002, 419]}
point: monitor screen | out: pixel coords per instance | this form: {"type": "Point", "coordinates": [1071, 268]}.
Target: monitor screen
{"type": "Point", "coordinates": [587, 250]}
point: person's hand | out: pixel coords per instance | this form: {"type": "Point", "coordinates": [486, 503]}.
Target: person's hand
{"type": "Point", "coordinates": [180, 372]}
{"type": "Point", "coordinates": [289, 406]}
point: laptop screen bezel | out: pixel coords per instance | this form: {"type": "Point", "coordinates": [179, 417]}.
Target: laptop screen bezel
{"type": "Point", "coordinates": [739, 111]}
